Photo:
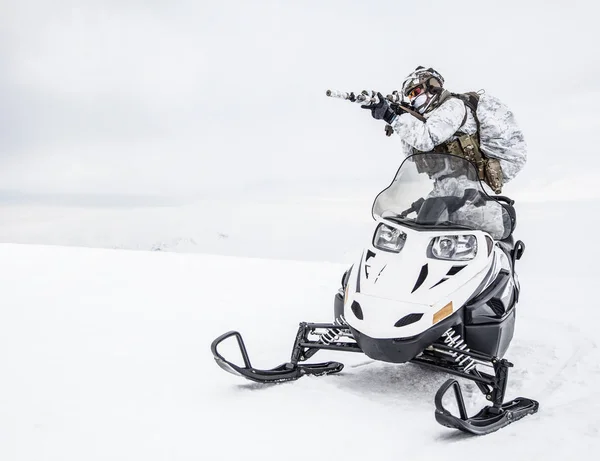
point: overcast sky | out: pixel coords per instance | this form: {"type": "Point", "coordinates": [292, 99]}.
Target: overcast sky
{"type": "Point", "coordinates": [175, 97]}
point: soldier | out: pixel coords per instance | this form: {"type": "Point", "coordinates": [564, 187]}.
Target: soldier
{"type": "Point", "coordinates": [480, 129]}
{"type": "Point", "coordinates": [470, 125]}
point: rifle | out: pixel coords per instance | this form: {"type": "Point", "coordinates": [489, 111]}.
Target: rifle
{"type": "Point", "coordinates": [366, 99]}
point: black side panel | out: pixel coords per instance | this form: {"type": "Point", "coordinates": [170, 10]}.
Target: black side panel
{"type": "Point", "coordinates": [493, 303]}
{"type": "Point", "coordinates": [338, 306]}
{"type": "Point", "coordinates": [358, 275]}
{"type": "Point", "coordinates": [345, 277]}
{"type": "Point", "coordinates": [491, 338]}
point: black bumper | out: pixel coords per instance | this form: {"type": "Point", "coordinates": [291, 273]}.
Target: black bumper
{"type": "Point", "coordinates": [401, 350]}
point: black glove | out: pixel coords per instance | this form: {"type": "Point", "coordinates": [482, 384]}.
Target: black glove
{"type": "Point", "coordinates": [381, 110]}
{"type": "Point", "coordinates": [399, 107]}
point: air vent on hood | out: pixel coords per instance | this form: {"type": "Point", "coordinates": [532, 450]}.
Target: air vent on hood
{"type": "Point", "coordinates": [407, 320]}
{"type": "Point", "coordinates": [455, 270]}
{"type": "Point", "coordinates": [357, 310]}
{"type": "Point", "coordinates": [440, 282]}
{"type": "Point", "coordinates": [422, 277]}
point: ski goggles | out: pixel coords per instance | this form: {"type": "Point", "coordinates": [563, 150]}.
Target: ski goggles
{"type": "Point", "coordinates": [416, 91]}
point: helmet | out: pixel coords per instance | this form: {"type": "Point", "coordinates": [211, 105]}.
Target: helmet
{"type": "Point", "coordinates": [429, 78]}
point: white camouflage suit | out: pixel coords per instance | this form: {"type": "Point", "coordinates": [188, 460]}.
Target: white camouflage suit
{"type": "Point", "coordinates": [442, 125]}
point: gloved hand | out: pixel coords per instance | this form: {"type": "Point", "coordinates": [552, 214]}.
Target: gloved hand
{"type": "Point", "coordinates": [398, 108]}
{"type": "Point", "coordinates": [381, 110]}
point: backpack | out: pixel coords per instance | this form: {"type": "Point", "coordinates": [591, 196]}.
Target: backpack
{"type": "Point", "coordinates": [498, 133]}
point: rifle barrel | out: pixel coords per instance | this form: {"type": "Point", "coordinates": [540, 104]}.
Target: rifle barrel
{"type": "Point", "coordinates": [337, 94]}
{"type": "Point", "coordinates": [365, 98]}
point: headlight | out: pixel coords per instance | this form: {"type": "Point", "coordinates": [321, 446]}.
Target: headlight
{"type": "Point", "coordinates": [453, 247]}
{"type": "Point", "coordinates": [389, 238]}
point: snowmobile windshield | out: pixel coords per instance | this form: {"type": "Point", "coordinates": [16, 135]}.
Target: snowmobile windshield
{"type": "Point", "coordinates": [442, 190]}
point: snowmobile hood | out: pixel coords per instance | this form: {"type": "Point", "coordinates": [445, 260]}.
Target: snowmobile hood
{"type": "Point", "coordinates": [412, 275]}
{"type": "Point", "coordinates": [398, 295]}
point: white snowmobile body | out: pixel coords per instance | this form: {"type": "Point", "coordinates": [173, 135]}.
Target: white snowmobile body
{"type": "Point", "coordinates": [400, 298]}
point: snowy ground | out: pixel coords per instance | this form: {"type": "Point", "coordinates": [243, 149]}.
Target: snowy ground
{"type": "Point", "coordinates": [105, 353]}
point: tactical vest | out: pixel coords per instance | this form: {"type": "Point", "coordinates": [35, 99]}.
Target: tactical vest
{"type": "Point", "coordinates": [468, 146]}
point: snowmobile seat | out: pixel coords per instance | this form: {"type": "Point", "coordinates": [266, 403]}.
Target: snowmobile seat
{"type": "Point", "coordinates": [512, 249]}
{"type": "Point", "coordinates": [510, 218]}
{"type": "Point", "coordinates": [508, 244]}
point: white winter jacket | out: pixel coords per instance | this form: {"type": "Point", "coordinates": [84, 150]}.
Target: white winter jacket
{"type": "Point", "coordinates": [444, 122]}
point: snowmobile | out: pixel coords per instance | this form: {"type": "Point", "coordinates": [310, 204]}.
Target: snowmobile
{"type": "Point", "coordinates": [436, 287]}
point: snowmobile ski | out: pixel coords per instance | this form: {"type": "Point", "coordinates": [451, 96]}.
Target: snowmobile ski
{"type": "Point", "coordinates": [289, 371]}
{"type": "Point", "coordinates": [488, 419]}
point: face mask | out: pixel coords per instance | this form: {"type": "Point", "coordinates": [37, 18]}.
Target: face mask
{"type": "Point", "coordinates": [420, 101]}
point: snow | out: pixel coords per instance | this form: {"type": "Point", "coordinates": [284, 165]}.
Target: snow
{"type": "Point", "coordinates": [275, 227]}
{"type": "Point", "coordinates": [105, 355]}
{"type": "Point", "coordinates": [201, 129]}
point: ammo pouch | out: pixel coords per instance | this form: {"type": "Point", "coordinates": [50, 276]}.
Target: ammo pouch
{"type": "Point", "coordinates": [467, 146]}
